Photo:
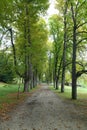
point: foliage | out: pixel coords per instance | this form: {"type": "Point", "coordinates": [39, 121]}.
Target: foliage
{"type": "Point", "coordinates": [6, 68]}
{"type": "Point", "coordinates": [17, 20]}
{"type": "Point", "coordinates": [56, 32]}
{"type": "Point", "coordinates": [76, 39]}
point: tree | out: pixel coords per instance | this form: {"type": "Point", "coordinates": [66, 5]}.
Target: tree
{"type": "Point", "coordinates": [64, 45]}
{"type": "Point", "coordinates": [16, 18]}
{"type": "Point", "coordinates": [76, 11]}
{"type": "Point", "coordinates": [37, 49]}
{"type": "Point", "coordinates": [55, 23]}
{"type": "Point", "coordinates": [75, 37]}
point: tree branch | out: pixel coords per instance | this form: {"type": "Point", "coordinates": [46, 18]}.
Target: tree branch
{"type": "Point", "coordinates": [81, 32]}
{"type": "Point", "coordinates": [79, 73]}
{"type": "Point", "coordinates": [73, 13]}
{"type": "Point", "coordinates": [81, 24]}
{"type": "Point", "coordinates": [14, 52]}
{"type": "Point", "coordinates": [81, 40]}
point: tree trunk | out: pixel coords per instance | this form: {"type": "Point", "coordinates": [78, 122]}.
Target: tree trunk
{"type": "Point", "coordinates": [31, 75]}
{"type": "Point", "coordinates": [26, 76]}
{"type": "Point", "coordinates": [26, 85]}
{"type": "Point", "coordinates": [28, 54]}
{"type": "Point", "coordinates": [74, 78]}
{"type": "Point", "coordinates": [64, 50]}
{"type": "Point", "coordinates": [55, 69]}
{"type": "Point", "coordinates": [57, 84]}
{"type": "Point", "coordinates": [50, 69]}
{"type": "Point", "coordinates": [58, 76]}
{"type": "Point", "coordinates": [35, 78]}
{"type": "Point", "coordinates": [54, 79]}
{"type": "Point", "coordinates": [74, 87]}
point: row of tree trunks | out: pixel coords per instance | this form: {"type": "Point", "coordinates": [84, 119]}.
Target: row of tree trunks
{"type": "Point", "coordinates": [74, 78]}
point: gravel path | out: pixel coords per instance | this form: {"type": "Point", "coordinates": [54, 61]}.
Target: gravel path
{"type": "Point", "coordinates": [44, 110]}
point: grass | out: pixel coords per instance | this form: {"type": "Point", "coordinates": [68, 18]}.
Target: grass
{"type": "Point", "coordinates": [6, 89]}
{"type": "Point", "coordinates": [81, 101]}
{"type": "Point", "coordinates": [81, 92]}
{"type": "Point", "coordinates": [8, 97]}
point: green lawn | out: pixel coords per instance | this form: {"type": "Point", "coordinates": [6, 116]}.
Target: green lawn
{"type": "Point", "coordinates": [81, 92]}
{"type": "Point", "coordinates": [6, 89]}
{"type": "Point", "coordinates": [9, 93]}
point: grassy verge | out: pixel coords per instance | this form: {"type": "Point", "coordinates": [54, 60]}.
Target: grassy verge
{"type": "Point", "coordinates": [81, 96]}
{"type": "Point", "coordinates": [82, 92]}
{"type": "Point", "coordinates": [81, 102]}
{"type": "Point", "coordinates": [8, 97]}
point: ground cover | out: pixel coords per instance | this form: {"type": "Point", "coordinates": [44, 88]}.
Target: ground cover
{"type": "Point", "coordinates": [9, 97]}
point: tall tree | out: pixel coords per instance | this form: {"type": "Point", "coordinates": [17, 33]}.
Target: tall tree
{"type": "Point", "coordinates": [64, 45]}
{"type": "Point", "coordinates": [55, 23]}
{"type": "Point", "coordinates": [76, 11]}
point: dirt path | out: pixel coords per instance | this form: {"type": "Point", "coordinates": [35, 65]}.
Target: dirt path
{"type": "Point", "coordinates": [45, 111]}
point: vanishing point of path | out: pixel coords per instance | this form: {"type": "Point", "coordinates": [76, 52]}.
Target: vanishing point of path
{"type": "Point", "coordinates": [44, 110]}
